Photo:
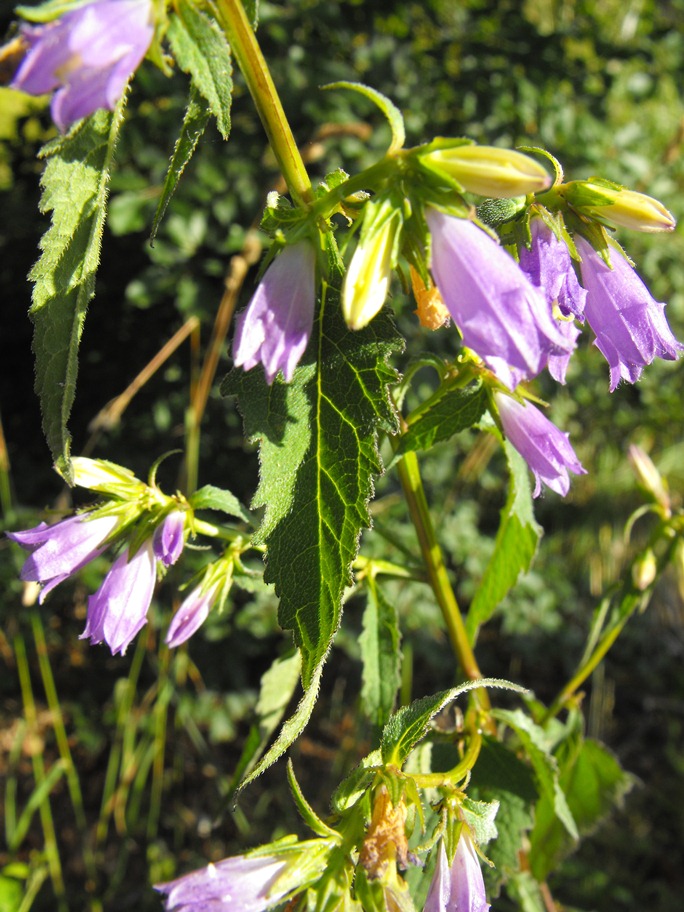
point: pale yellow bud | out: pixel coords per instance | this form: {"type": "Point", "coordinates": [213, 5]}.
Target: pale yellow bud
{"type": "Point", "coordinates": [490, 171]}
{"type": "Point", "coordinates": [370, 272]}
{"type": "Point", "coordinates": [100, 475]}
{"type": "Point", "coordinates": [649, 477]}
{"type": "Point", "coordinates": [622, 207]}
{"type": "Point", "coordinates": [644, 570]}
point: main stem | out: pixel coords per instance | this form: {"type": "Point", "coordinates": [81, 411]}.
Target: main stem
{"type": "Point", "coordinates": [409, 474]}
{"type": "Point", "coordinates": [251, 61]}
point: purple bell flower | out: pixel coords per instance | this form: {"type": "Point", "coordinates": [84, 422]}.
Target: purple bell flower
{"type": "Point", "coordinates": [459, 888]}
{"type": "Point", "coordinates": [169, 538]}
{"type": "Point", "coordinates": [630, 326]}
{"type": "Point", "coordinates": [88, 55]}
{"type": "Point", "coordinates": [239, 884]}
{"type": "Point", "coordinates": [192, 613]}
{"type": "Point", "coordinates": [118, 610]}
{"type": "Point", "coordinates": [276, 326]}
{"type": "Point", "coordinates": [502, 317]}
{"type": "Point", "coordinates": [60, 550]}
{"type": "Point", "coordinates": [544, 447]}
{"type": "Point", "coordinates": [548, 265]}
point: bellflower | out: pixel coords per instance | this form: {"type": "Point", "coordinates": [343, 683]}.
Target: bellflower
{"type": "Point", "coordinates": [276, 326]}
{"type": "Point", "coordinates": [169, 538]}
{"type": "Point", "coordinates": [87, 55]}
{"type": "Point", "coordinates": [118, 610]}
{"type": "Point", "coordinates": [545, 448]}
{"type": "Point", "coordinates": [548, 265]}
{"type": "Point", "coordinates": [502, 317]}
{"type": "Point", "coordinates": [192, 613]}
{"type": "Point", "coordinates": [60, 550]}
{"type": "Point", "coordinates": [459, 888]}
{"type": "Point", "coordinates": [630, 326]}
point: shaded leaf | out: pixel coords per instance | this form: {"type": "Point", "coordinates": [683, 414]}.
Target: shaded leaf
{"type": "Point", "coordinates": [380, 654]}
{"type": "Point", "coordinates": [448, 412]}
{"type": "Point", "coordinates": [74, 183]}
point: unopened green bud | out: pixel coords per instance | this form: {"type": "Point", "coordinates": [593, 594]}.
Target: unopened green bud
{"type": "Point", "coordinates": [644, 570]}
{"type": "Point", "coordinates": [370, 271]}
{"type": "Point", "coordinates": [489, 171]}
{"type": "Point", "coordinates": [607, 201]}
{"type": "Point", "coordinates": [649, 477]}
{"type": "Point", "coordinates": [106, 477]}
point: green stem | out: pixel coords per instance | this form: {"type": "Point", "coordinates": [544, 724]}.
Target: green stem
{"type": "Point", "coordinates": [409, 474]}
{"type": "Point", "coordinates": [251, 61]}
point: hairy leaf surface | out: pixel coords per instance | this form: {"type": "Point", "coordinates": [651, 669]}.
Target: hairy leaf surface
{"type": "Point", "coordinates": [74, 183]}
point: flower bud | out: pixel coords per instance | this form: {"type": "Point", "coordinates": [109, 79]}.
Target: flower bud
{"type": "Point", "coordinates": [649, 477]}
{"type": "Point", "coordinates": [370, 271]}
{"type": "Point", "coordinates": [644, 570]}
{"type": "Point", "coordinates": [488, 170]}
{"type": "Point", "coordinates": [105, 477]}
{"type": "Point", "coordinates": [606, 201]}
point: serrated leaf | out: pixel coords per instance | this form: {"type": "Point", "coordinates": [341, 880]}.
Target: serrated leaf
{"type": "Point", "coordinates": [409, 725]}
{"type": "Point", "coordinates": [536, 745]}
{"type": "Point", "coordinates": [194, 123]}
{"type": "Point", "coordinates": [514, 549]}
{"type": "Point", "coordinates": [74, 183]}
{"type": "Point", "coordinates": [201, 50]}
{"type": "Point", "coordinates": [594, 783]}
{"type": "Point", "coordinates": [318, 454]}
{"type": "Point", "coordinates": [448, 413]}
{"type": "Point", "coordinates": [380, 654]}
{"type": "Point", "coordinates": [499, 775]}
{"type": "Point", "coordinates": [291, 729]}
{"type": "Point", "coordinates": [210, 497]}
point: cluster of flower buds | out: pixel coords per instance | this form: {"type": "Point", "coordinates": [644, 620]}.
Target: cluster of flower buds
{"type": "Point", "coordinates": [517, 314]}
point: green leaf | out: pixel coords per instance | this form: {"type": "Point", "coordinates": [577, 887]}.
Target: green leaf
{"type": "Point", "coordinates": [74, 184]}
{"type": "Point", "coordinates": [526, 892]}
{"type": "Point", "coordinates": [514, 548]}
{"type": "Point", "coordinates": [212, 498]}
{"type": "Point", "coordinates": [536, 744]}
{"type": "Point", "coordinates": [196, 118]}
{"type": "Point", "coordinates": [201, 50]}
{"type": "Point", "coordinates": [318, 453]}
{"type": "Point", "coordinates": [499, 775]}
{"type": "Point", "coordinates": [381, 655]}
{"type": "Point", "coordinates": [292, 729]}
{"type": "Point", "coordinates": [388, 108]}
{"type": "Point", "coordinates": [354, 787]}
{"type": "Point", "coordinates": [447, 413]}
{"type": "Point", "coordinates": [409, 725]}
{"type": "Point", "coordinates": [594, 783]}
{"type": "Point", "coordinates": [52, 9]}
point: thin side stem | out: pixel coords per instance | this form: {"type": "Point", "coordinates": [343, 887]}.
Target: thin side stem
{"type": "Point", "coordinates": [251, 61]}
{"type": "Point", "coordinates": [409, 474]}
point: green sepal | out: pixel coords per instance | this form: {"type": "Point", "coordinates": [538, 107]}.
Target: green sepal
{"type": "Point", "coordinates": [307, 813]}
{"type": "Point", "coordinates": [75, 184]}
{"type": "Point", "coordinates": [357, 783]}
{"type": "Point", "coordinates": [388, 108]}
{"type": "Point", "coordinates": [52, 9]}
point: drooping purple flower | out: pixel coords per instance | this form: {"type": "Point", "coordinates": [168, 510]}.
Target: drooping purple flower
{"type": "Point", "coordinates": [118, 610]}
{"type": "Point", "coordinates": [548, 265]}
{"type": "Point", "coordinates": [60, 550]}
{"type": "Point", "coordinates": [459, 888]}
{"type": "Point", "coordinates": [239, 884]}
{"type": "Point", "coordinates": [544, 447]}
{"type": "Point", "coordinates": [502, 317]}
{"type": "Point", "coordinates": [169, 538]}
{"type": "Point", "coordinates": [192, 613]}
{"type": "Point", "coordinates": [87, 54]}
{"type": "Point", "coordinates": [276, 326]}
{"type": "Point", "coordinates": [630, 326]}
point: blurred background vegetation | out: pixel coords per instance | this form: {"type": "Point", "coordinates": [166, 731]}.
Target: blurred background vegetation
{"type": "Point", "coordinates": [137, 753]}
